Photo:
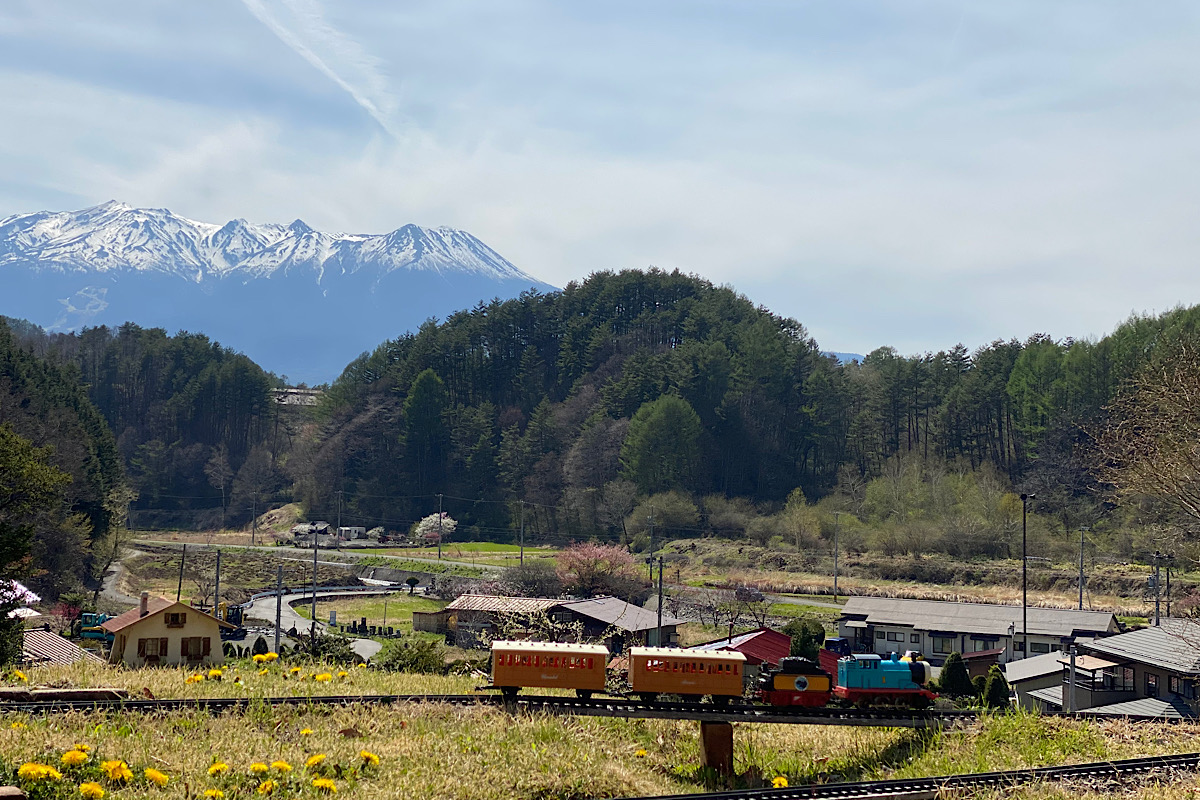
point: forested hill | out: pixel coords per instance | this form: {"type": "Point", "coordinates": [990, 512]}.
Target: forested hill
{"type": "Point", "coordinates": [43, 405]}
{"type": "Point", "coordinates": [633, 383]}
{"type": "Point", "coordinates": [193, 421]}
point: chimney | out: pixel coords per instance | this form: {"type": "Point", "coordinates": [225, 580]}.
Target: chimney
{"type": "Point", "coordinates": [144, 604]}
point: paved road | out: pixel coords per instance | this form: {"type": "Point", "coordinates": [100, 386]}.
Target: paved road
{"type": "Point", "coordinates": [299, 553]}
{"type": "Point", "coordinates": [263, 609]}
{"type": "Point", "coordinates": [108, 588]}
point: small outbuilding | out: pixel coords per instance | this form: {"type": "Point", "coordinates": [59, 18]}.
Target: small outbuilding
{"type": "Point", "coordinates": [161, 631]}
{"type": "Point", "coordinates": [759, 646]}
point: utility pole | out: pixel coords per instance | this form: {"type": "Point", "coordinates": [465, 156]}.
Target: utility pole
{"type": "Point", "coordinates": [217, 590]}
{"type": "Point", "coordinates": [1082, 530]}
{"type": "Point", "coordinates": [522, 539]}
{"type": "Point", "coordinates": [385, 599]}
{"type": "Point", "coordinates": [1069, 703]}
{"type": "Point", "coordinates": [439, 526]}
{"type": "Point", "coordinates": [278, 603]}
{"type": "Point", "coordinates": [339, 528]}
{"type": "Point", "coordinates": [253, 517]}
{"type": "Point", "coordinates": [1025, 498]}
{"type": "Point", "coordinates": [658, 635]}
{"type": "Point", "coordinates": [836, 527]}
{"type": "Point", "coordinates": [1157, 586]}
{"type": "Point", "coordinates": [182, 561]}
{"type": "Point", "coordinates": [650, 560]}
{"type": "Point", "coordinates": [313, 630]}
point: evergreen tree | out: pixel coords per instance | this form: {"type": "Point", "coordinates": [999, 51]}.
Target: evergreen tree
{"type": "Point", "coordinates": [662, 447]}
{"type": "Point", "coordinates": [996, 693]}
{"type": "Point", "coordinates": [955, 681]}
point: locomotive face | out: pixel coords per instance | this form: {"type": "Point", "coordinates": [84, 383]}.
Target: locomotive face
{"type": "Point", "coordinates": [801, 683]}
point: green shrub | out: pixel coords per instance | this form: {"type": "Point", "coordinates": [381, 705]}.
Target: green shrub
{"type": "Point", "coordinates": [412, 654]}
{"type": "Point", "coordinates": [260, 647]}
{"type": "Point", "coordinates": [807, 637]}
{"type": "Point", "coordinates": [954, 680]}
{"type": "Point", "coordinates": [996, 692]}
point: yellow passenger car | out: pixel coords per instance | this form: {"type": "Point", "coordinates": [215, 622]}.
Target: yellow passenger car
{"type": "Point", "coordinates": [557, 665]}
{"type": "Point", "coordinates": [690, 673]}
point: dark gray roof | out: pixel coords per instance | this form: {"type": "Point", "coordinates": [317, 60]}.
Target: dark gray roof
{"type": "Point", "coordinates": [1035, 667]}
{"type": "Point", "coordinates": [1174, 646]}
{"type": "Point", "coordinates": [620, 614]}
{"type": "Point", "coordinates": [47, 647]}
{"type": "Point", "coordinates": [1051, 695]}
{"type": "Point", "coordinates": [982, 618]}
{"type": "Point", "coordinates": [1173, 708]}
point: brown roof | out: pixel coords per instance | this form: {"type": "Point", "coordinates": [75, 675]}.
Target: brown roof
{"type": "Point", "coordinates": [154, 606]}
{"type": "Point", "coordinates": [47, 647]}
{"type": "Point", "coordinates": [503, 605]}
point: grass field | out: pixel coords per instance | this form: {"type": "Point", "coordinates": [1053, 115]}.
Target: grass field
{"type": "Point", "coordinates": [483, 553]}
{"type": "Point", "coordinates": [399, 610]}
{"type": "Point", "coordinates": [436, 751]}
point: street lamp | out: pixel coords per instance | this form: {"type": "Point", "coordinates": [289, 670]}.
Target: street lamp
{"type": "Point", "coordinates": [1025, 498]}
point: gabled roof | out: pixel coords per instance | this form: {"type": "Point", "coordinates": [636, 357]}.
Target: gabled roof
{"type": "Point", "coordinates": [979, 618]}
{"type": "Point", "coordinates": [619, 614]}
{"type": "Point", "coordinates": [1174, 646]}
{"type": "Point", "coordinates": [47, 647]}
{"type": "Point", "coordinates": [155, 605]}
{"type": "Point", "coordinates": [1174, 708]}
{"type": "Point", "coordinates": [763, 645]}
{"type": "Point", "coordinates": [503, 605]}
{"type": "Point", "coordinates": [1033, 667]}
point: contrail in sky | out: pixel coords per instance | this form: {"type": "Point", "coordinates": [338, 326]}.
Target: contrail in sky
{"type": "Point", "coordinates": [301, 25]}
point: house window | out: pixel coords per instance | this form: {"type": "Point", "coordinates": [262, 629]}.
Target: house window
{"type": "Point", "coordinates": [176, 620]}
{"type": "Point", "coordinates": [895, 637]}
{"type": "Point", "coordinates": [1173, 684]}
{"type": "Point", "coordinates": [195, 648]}
{"type": "Point", "coordinates": [1151, 685]}
{"type": "Point", "coordinates": [943, 644]}
{"type": "Point", "coordinates": [149, 647]}
{"type": "Point", "coordinates": [979, 645]}
{"type": "Point", "coordinates": [1039, 647]}
{"type": "Point", "coordinates": [914, 638]}
{"type": "Point", "coordinates": [880, 635]}
{"type": "Point", "coordinates": [1018, 647]}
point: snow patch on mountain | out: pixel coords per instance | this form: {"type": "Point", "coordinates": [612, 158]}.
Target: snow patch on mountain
{"type": "Point", "coordinates": [114, 237]}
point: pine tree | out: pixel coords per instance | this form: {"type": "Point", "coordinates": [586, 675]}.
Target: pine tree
{"type": "Point", "coordinates": [954, 680]}
{"type": "Point", "coordinates": [996, 691]}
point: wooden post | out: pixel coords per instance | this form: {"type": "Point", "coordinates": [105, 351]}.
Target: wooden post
{"type": "Point", "coordinates": [716, 746]}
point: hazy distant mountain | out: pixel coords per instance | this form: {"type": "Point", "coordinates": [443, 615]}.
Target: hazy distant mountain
{"type": "Point", "coordinates": [846, 358]}
{"type": "Point", "coordinates": [299, 301]}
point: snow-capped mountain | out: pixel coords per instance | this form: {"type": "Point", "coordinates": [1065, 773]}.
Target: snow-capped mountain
{"type": "Point", "coordinates": [115, 236]}
{"type": "Point", "coordinates": [299, 301]}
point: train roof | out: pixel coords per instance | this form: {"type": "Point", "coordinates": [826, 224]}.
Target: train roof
{"type": "Point", "coordinates": [675, 652]}
{"type": "Point", "coordinates": [570, 647]}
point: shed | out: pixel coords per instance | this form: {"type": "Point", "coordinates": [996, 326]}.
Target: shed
{"type": "Point", "coordinates": [43, 646]}
{"type": "Point", "coordinates": [161, 631]}
{"type": "Point", "coordinates": [760, 646]}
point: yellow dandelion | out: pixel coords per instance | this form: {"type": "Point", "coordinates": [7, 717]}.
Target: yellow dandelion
{"type": "Point", "coordinates": [263, 671]}
{"type": "Point", "coordinates": [219, 768]}
{"type": "Point", "coordinates": [116, 770]}
{"type": "Point", "coordinates": [258, 658]}
{"type": "Point", "coordinates": [342, 673]}
{"type": "Point", "coordinates": [306, 731]}
{"type": "Point", "coordinates": [266, 787]}
{"type": "Point", "coordinates": [324, 785]}
{"type": "Point", "coordinates": [294, 671]}
{"type": "Point", "coordinates": [215, 674]}
{"type": "Point", "coordinates": [33, 771]}
{"type": "Point", "coordinates": [281, 766]}
{"type": "Point", "coordinates": [641, 754]}
{"type": "Point", "coordinates": [362, 665]}
{"type": "Point", "coordinates": [368, 758]}
{"type": "Point", "coordinates": [780, 782]}
{"type": "Point", "coordinates": [83, 748]}
{"type": "Point", "coordinates": [155, 776]}
{"type": "Point", "coordinates": [271, 656]}
{"type": "Point", "coordinates": [73, 758]}
{"type": "Point", "coordinates": [19, 676]}
{"type": "Point", "coordinates": [16, 726]}
{"type": "Point", "coordinates": [258, 768]}
{"type": "Point", "coordinates": [323, 677]}
{"type": "Point", "coordinates": [91, 790]}
{"type": "Point", "coordinates": [314, 761]}
{"type": "Point", "coordinates": [214, 794]}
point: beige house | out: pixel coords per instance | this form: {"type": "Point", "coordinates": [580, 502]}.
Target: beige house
{"type": "Point", "coordinates": [161, 631]}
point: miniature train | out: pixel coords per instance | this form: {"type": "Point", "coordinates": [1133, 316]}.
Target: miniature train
{"type": "Point", "coordinates": [857, 679]}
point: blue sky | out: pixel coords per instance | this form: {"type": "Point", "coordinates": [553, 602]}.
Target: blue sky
{"type": "Point", "coordinates": [905, 173]}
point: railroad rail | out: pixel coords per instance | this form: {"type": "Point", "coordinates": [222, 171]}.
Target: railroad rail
{"type": "Point", "coordinates": [630, 708]}
{"type": "Point", "coordinates": [914, 788]}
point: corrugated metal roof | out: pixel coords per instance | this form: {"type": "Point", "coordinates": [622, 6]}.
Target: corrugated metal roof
{"type": "Point", "coordinates": [759, 646]}
{"type": "Point", "coordinates": [1051, 695]}
{"type": "Point", "coordinates": [47, 647]}
{"type": "Point", "coordinates": [502, 605]}
{"type": "Point", "coordinates": [1087, 663]}
{"type": "Point", "coordinates": [1175, 645]}
{"type": "Point", "coordinates": [984, 618]}
{"type": "Point", "coordinates": [1035, 667]}
{"type": "Point", "coordinates": [1173, 708]}
{"type": "Point", "coordinates": [619, 614]}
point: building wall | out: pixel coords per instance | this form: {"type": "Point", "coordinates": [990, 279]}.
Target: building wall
{"type": "Point", "coordinates": [898, 638]}
{"type": "Point", "coordinates": [125, 643]}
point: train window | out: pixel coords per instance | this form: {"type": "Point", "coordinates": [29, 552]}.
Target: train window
{"type": "Point", "coordinates": [590, 662]}
{"type": "Point", "coordinates": [537, 661]}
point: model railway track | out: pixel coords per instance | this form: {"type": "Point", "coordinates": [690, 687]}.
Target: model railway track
{"type": "Point", "coordinates": [593, 707]}
{"type": "Point", "coordinates": [914, 788]}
